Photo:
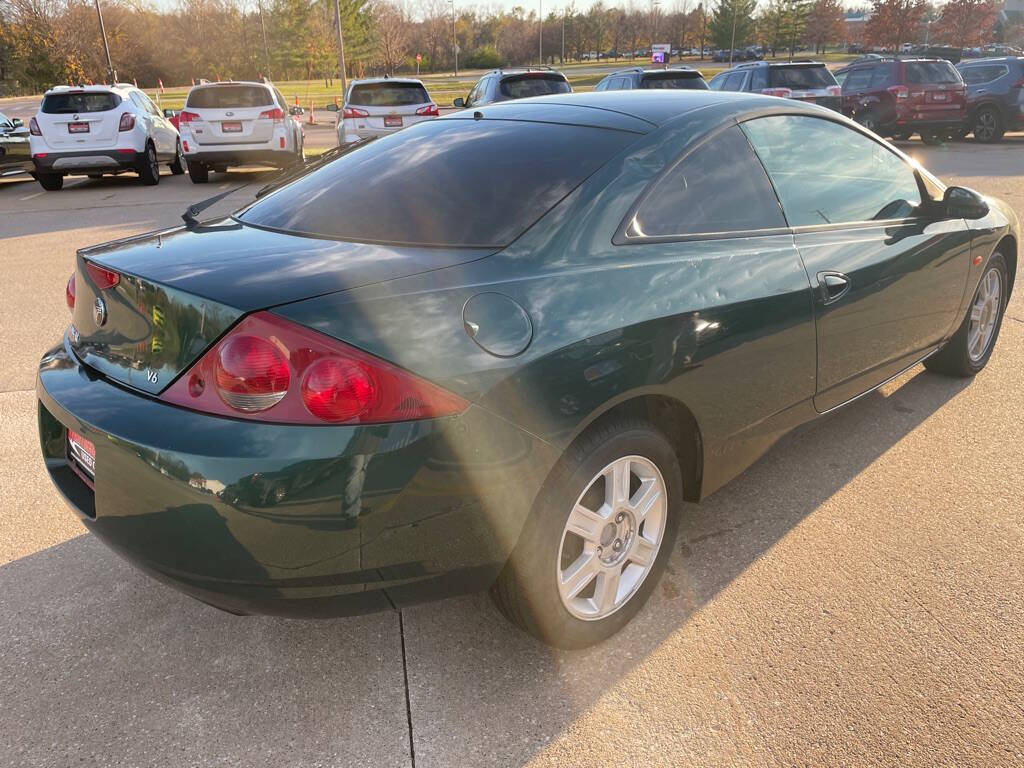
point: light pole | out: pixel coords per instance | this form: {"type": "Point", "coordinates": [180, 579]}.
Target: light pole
{"type": "Point", "coordinates": [111, 74]}
{"type": "Point", "coordinates": [266, 48]}
{"type": "Point", "coordinates": [341, 46]}
{"type": "Point", "coordinates": [563, 36]}
{"type": "Point", "coordinates": [703, 28]}
{"type": "Point", "coordinates": [732, 43]}
{"type": "Point", "coordinates": [455, 41]}
{"type": "Point", "coordinates": [540, 36]}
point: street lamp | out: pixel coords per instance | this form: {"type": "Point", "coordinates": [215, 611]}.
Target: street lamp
{"type": "Point", "coordinates": [732, 43]}
{"type": "Point", "coordinates": [455, 41]}
{"type": "Point", "coordinates": [540, 36]}
{"type": "Point", "coordinates": [111, 74]}
{"type": "Point", "coordinates": [703, 28]}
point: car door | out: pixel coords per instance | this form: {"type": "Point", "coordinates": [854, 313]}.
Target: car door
{"type": "Point", "coordinates": [889, 276]}
{"type": "Point", "coordinates": [854, 87]}
{"type": "Point", "coordinates": [165, 134]}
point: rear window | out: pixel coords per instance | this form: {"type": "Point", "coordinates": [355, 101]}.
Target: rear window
{"type": "Point", "coordinates": [524, 86]}
{"type": "Point", "coordinates": [91, 101]}
{"type": "Point", "coordinates": [455, 182]}
{"type": "Point", "coordinates": [931, 72]}
{"type": "Point", "coordinates": [674, 80]}
{"type": "Point", "coordinates": [800, 78]}
{"type": "Point", "coordinates": [388, 95]}
{"type": "Point", "coordinates": [227, 96]}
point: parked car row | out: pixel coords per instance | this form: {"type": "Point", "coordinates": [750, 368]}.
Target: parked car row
{"type": "Point", "coordinates": [99, 129]}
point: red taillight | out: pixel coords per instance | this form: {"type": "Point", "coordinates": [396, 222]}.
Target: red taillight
{"type": "Point", "coordinates": [834, 90]}
{"type": "Point", "coordinates": [351, 112]}
{"type": "Point", "coordinates": [898, 91]}
{"type": "Point", "coordinates": [127, 122]}
{"type": "Point", "coordinates": [429, 111]}
{"type": "Point", "coordinates": [276, 114]}
{"type": "Point", "coordinates": [270, 369]}
{"type": "Point", "coordinates": [39, 155]}
{"type": "Point", "coordinates": [784, 93]}
{"type": "Point", "coordinates": [69, 292]}
{"type": "Point", "coordinates": [251, 373]}
{"type": "Point", "coordinates": [33, 127]}
{"type": "Point", "coordinates": [184, 145]}
{"type": "Point", "coordinates": [187, 117]}
{"type": "Point", "coordinates": [102, 278]}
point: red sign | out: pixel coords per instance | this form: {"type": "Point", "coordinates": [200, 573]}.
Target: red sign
{"type": "Point", "coordinates": [418, 57]}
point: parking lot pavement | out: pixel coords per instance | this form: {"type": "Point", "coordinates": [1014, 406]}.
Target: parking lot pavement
{"type": "Point", "coordinates": [854, 598]}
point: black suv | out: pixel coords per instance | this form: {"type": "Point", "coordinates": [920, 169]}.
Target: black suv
{"type": "Point", "coordinates": [995, 96]}
{"type": "Point", "coordinates": [508, 84]}
{"type": "Point", "coordinates": [800, 80]}
{"type": "Point", "coordinates": [636, 78]}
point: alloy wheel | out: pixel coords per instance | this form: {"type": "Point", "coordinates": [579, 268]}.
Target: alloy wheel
{"type": "Point", "coordinates": [985, 125]}
{"type": "Point", "coordinates": [984, 315]}
{"type": "Point", "coordinates": [151, 158]}
{"type": "Point", "coordinates": [611, 538]}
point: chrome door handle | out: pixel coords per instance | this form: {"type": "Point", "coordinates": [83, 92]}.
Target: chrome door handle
{"type": "Point", "coordinates": [832, 286]}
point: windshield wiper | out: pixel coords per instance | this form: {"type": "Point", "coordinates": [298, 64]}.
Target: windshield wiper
{"type": "Point", "coordinates": [329, 156]}
{"type": "Point", "coordinates": [190, 214]}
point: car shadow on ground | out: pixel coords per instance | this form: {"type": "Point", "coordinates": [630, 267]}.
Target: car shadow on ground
{"type": "Point", "coordinates": [98, 657]}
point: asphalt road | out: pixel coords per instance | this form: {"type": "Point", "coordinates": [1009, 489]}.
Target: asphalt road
{"type": "Point", "coordinates": [855, 598]}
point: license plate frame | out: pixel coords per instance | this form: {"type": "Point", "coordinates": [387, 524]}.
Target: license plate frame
{"type": "Point", "coordinates": [82, 455]}
{"type": "Point", "coordinates": [78, 128]}
{"type": "Point", "coordinates": [393, 121]}
{"type": "Point", "coordinates": [940, 96]}
{"type": "Point", "coordinates": [231, 126]}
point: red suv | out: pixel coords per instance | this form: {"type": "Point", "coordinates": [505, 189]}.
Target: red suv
{"type": "Point", "coordinates": [900, 97]}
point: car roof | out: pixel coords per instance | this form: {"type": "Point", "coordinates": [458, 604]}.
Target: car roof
{"type": "Point", "coordinates": [990, 60]}
{"type": "Point", "coordinates": [365, 80]}
{"type": "Point", "coordinates": [642, 71]}
{"type": "Point", "coordinates": [510, 71]}
{"type": "Point", "coordinates": [231, 82]}
{"type": "Point", "coordinates": [640, 111]}
{"type": "Point", "coordinates": [89, 88]}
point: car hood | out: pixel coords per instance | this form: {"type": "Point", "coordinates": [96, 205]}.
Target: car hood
{"type": "Point", "coordinates": [247, 268]}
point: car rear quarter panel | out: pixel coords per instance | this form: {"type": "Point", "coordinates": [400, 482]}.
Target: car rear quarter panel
{"type": "Point", "coordinates": [723, 326]}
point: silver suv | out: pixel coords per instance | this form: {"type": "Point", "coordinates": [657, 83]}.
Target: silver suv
{"type": "Point", "coordinates": [237, 123]}
{"type": "Point", "coordinates": [382, 105]}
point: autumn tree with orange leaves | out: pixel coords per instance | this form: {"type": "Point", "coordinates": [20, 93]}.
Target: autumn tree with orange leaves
{"type": "Point", "coordinates": [965, 23]}
{"type": "Point", "coordinates": [894, 22]}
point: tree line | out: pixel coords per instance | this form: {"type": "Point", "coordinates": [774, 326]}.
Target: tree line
{"type": "Point", "coordinates": [48, 42]}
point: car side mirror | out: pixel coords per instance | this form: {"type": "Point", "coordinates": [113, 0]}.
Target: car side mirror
{"type": "Point", "coordinates": [17, 122]}
{"type": "Point", "coordinates": [459, 102]}
{"type": "Point", "coordinates": [332, 107]}
{"type": "Point", "coordinates": [963, 203]}
{"type": "Point", "coordinates": [168, 113]}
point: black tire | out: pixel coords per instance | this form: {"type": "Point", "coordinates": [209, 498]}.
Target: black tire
{"type": "Point", "coordinates": [868, 119]}
{"type": "Point", "coordinates": [178, 166]}
{"type": "Point", "coordinates": [902, 135]}
{"type": "Point", "coordinates": [198, 172]}
{"type": "Point", "coordinates": [955, 358]}
{"type": "Point", "coordinates": [148, 168]}
{"type": "Point", "coordinates": [527, 590]}
{"type": "Point", "coordinates": [933, 138]}
{"type": "Point", "coordinates": [51, 182]}
{"type": "Point", "coordinates": [988, 126]}
{"type": "Point", "coordinates": [94, 176]}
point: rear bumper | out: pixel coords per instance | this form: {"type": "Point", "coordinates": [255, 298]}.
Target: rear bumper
{"type": "Point", "coordinates": [279, 158]}
{"type": "Point", "coordinates": [86, 161]}
{"type": "Point", "coordinates": [291, 520]}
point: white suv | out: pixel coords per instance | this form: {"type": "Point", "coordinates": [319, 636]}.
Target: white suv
{"type": "Point", "coordinates": [381, 105]}
{"type": "Point", "coordinates": [237, 123]}
{"type": "Point", "coordinates": [96, 129]}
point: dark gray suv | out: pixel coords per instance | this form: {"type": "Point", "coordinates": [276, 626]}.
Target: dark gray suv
{"type": "Point", "coordinates": [508, 84]}
{"type": "Point", "coordinates": [636, 78]}
{"type": "Point", "coordinates": [995, 96]}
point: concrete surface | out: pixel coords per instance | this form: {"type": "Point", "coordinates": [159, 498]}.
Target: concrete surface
{"type": "Point", "coordinates": [853, 599]}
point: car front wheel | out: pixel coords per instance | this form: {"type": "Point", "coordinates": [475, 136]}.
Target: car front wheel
{"type": "Point", "coordinates": [598, 538]}
{"type": "Point", "coordinates": [967, 352]}
{"type": "Point", "coordinates": [149, 168]}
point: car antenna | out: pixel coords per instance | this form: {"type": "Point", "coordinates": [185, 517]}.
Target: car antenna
{"type": "Point", "coordinates": [190, 214]}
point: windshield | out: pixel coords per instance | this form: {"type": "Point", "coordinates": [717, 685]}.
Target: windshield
{"type": "Point", "coordinates": [86, 101]}
{"type": "Point", "coordinates": [227, 96]}
{"type": "Point", "coordinates": [388, 95]}
{"type": "Point", "coordinates": [533, 84]}
{"type": "Point", "coordinates": [456, 182]}
{"type": "Point", "coordinates": [800, 78]}
{"type": "Point", "coordinates": [924, 72]}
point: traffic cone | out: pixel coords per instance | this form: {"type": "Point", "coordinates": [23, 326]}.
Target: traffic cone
{"type": "Point", "coordinates": [161, 85]}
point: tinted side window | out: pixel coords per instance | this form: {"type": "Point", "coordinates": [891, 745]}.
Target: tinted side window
{"type": "Point", "coordinates": [857, 80]}
{"type": "Point", "coordinates": [498, 177]}
{"type": "Point", "coordinates": [759, 79]}
{"type": "Point", "coordinates": [601, 86]}
{"type": "Point", "coordinates": [826, 173]}
{"type": "Point", "coordinates": [719, 187]}
{"type": "Point", "coordinates": [927, 72]}
{"type": "Point", "coordinates": [716, 82]}
{"type": "Point", "coordinates": [881, 76]}
{"type": "Point", "coordinates": [734, 82]}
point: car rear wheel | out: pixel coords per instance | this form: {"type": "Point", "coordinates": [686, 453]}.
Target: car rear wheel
{"type": "Point", "coordinates": [51, 182]}
{"type": "Point", "coordinates": [198, 172]}
{"type": "Point", "coordinates": [902, 135]}
{"type": "Point", "coordinates": [598, 538]}
{"type": "Point", "coordinates": [178, 166]}
{"type": "Point", "coordinates": [932, 138]}
{"type": "Point", "coordinates": [988, 126]}
{"type": "Point", "coordinates": [868, 120]}
{"type": "Point", "coordinates": [149, 168]}
{"type": "Point", "coordinates": [967, 352]}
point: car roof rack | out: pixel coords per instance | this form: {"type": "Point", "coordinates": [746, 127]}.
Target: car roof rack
{"type": "Point", "coordinates": [503, 70]}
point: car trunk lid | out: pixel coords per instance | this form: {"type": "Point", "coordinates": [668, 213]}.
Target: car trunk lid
{"type": "Point", "coordinates": [178, 290]}
{"type": "Point", "coordinates": [934, 88]}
